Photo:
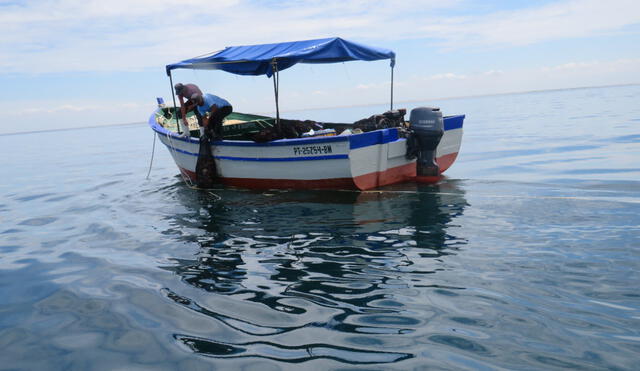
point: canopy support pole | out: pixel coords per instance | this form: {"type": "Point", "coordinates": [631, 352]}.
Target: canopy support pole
{"type": "Point", "coordinates": [175, 108]}
{"type": "Point", "coordinates": [276, 87]}
{"type": "Point", "coordinates": [392, 86]}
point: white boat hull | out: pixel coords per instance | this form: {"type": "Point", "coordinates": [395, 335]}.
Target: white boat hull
{"type": "Point", "coordinates": [362, 161]}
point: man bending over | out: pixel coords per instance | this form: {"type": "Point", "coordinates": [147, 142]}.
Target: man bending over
{"type": "Point", "coordinates": [210, 110]}
{"type": "Point", "coordinates": [185, 91]}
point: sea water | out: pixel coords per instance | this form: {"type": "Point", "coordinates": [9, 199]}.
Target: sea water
{"type": "Point", "coordinates": [526, 256]}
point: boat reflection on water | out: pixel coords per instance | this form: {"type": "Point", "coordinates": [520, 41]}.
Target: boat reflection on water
{"type": "Point", "coordinates": [296, 276]}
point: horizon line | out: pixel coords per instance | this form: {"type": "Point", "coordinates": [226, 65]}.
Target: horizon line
{"type": "Point", "coordinates": [472, 96]}
{"type": "Point", "coordinates": [350, 106]}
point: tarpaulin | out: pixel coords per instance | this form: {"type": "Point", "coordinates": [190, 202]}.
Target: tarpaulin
{"type": "Point", "coordinates": [262, 59]}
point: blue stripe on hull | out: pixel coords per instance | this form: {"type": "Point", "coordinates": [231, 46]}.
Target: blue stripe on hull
{"type": "Point", "coordinates": [453, 122]}
{"type": "Point", "coordinates": [372, 138]}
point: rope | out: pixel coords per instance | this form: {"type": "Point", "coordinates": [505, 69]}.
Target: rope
{"type": "Point", "coordinates": [185, 178]}
{"type": "Point", "coordinates": [217, 196]}
{"type": "Point", "coordinates": [153, 151]}
{"type": "Point", "coordinates": [193, 186]}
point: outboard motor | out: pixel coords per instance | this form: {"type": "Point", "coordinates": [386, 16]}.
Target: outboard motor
{"type": "Point", "coordinates": [427, 128]}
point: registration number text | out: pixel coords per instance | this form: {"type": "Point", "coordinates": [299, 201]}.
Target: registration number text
{"type": "Point", "coordinates": [312, 150]}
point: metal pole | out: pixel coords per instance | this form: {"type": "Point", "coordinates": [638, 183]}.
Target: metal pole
{"type": "Point", "coordinates": [175, 108]}
{"type": "Point", "coordinates": [276, 87]}
{"type": "Point", "coordinates": [392, 87]}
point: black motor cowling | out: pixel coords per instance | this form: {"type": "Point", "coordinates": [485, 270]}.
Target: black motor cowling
{"type": "Point", "coordinates": [427, 127]}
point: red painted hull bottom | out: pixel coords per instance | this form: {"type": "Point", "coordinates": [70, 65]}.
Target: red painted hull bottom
{"type": "Point", "coordinates": [400, 174]}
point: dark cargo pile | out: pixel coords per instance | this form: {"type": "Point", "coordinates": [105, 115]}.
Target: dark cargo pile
{"type": "Point", "coordinates": [295, 128]}
{"type": "Point", "coordinates": [263, 129]}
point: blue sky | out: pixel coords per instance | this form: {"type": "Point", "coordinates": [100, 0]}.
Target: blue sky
{"type": "Point", "coordinates": [77, 63]}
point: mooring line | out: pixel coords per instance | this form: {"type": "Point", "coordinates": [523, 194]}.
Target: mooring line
{"type": "Point", "coordinates": [153, 151]}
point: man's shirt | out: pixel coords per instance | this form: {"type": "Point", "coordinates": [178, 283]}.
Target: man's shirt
{"type": "Point", "coordinates": [210, 100]}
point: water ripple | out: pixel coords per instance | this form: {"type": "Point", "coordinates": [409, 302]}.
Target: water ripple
{"type": "Point", "coordinates": [289, 354]}
{"type": "Point", "coordinates": [524, 257]}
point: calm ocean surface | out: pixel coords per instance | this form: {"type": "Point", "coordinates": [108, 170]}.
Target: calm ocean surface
{"type": "Point", "coordinates": [527, 256]}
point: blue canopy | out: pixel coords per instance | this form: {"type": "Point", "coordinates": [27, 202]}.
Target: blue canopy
{"type": "Point", "coordinates": [260, 59]}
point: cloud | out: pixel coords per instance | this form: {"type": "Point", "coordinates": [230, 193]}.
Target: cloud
{"type": "Point", "coordinates": [567, 75]}
{"type": "Point", "coordinates": [424, 88]}
{"type": "Point", "coordinates": [493, 73]}
{"type": "Point", "coordinates": [371, 86]}
{"type": "Point", "coordinates": [50, 113]}
{"type": "Point", "coordinates": [446, 76]}
{"type": "Point", "coordinates": [555, 21]}
{"type": "Point", "coordinates": [93, 35]}
{"type": "Point", "coordinates": [570, 66]}
{"type": "Point", "coordinates": [56, 109]}
{"type": "Point", "coordinates": [49, 107]}
{"type": "Point", "coordinates": [47, 114]}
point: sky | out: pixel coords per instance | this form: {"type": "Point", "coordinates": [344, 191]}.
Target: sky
{"type": "Point", "coordinates": [74, 63]}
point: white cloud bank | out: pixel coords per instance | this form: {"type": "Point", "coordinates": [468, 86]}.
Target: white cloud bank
{"type": "Point", "coordinates": [94, 35]}
{"type": "Point", "coordinates": [451, 85]}
{"type": "Point", "coordinates": [414, 88]}
{"type": "Point", "coordinates": [560, 20]}
{"type": "Point", "coordinates": [590, 73]}
{"type": "Point", "coordinates": [39, 37]}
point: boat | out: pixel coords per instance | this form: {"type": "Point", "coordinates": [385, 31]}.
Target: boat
{"type": "Point", "coordinates": [381, 150]}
